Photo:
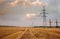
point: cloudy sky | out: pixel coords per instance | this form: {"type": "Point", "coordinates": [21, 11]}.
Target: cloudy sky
{"type": "Point", "coordinates": [16, 12]}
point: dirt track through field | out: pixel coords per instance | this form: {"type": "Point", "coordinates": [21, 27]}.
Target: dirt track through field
{"type": "Point", "coordinates": [29, 33]}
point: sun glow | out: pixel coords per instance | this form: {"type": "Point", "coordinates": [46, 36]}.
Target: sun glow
{"type": "Point", "coordinates": [30, 15]}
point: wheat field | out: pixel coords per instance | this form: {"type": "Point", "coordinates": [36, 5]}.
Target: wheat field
{"type": "Point", "coordinates": [29, 33]}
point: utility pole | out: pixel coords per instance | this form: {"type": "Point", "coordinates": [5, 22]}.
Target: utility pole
{"type": "Point", "coordinates": [50, 22]}
{"type": "Point", "coordinates": [44, 16]}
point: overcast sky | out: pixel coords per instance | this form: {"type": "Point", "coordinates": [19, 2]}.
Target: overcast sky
{"type": "Point", "coordinates": [13, 12]}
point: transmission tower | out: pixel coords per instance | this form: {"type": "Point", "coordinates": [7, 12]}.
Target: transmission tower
{"type": "Point", "coordinates": [56, 23]}
{"type": "Point", "coordinates": [50, 22]}
{"type": "Point", "coordinates": [44, 16]}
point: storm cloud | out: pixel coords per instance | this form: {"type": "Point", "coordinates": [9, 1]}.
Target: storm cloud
{"type": "Point", "coordinates": [17, 9]}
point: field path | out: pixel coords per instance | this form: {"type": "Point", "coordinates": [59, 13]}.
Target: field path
{"type": "Point", "coordinates": [30, 33]}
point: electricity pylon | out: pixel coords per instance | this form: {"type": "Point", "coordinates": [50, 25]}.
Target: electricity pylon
{"type": "Point", "coordinates": [44, 16]}
{"type": "Point", "coordinates": [50, 23]}
{"type": "Point", "coordinates": [56, 23]}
